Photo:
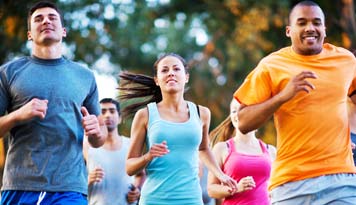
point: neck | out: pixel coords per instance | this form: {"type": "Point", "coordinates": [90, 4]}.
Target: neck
{"type": "Point", "coordinates": [47, 52]}
{"type": "Point", "coordinates": [174, 100]}
{"type": "Point", "coordinates": [113, 141]}
{"type": "Point", "coordinates": [247, 138]}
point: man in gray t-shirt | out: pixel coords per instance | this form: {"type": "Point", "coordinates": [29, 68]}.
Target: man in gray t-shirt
{"type": "Point", "coordinates": [47, 103]}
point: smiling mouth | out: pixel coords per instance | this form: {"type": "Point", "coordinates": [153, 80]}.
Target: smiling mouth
{"type": "Point", "coordinates": [46, 29]}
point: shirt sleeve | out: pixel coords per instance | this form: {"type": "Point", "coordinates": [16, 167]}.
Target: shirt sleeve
{"type": "Point", "coordinates": [4, 96]}
{"type": "Point", "coordinates": [256, 88]}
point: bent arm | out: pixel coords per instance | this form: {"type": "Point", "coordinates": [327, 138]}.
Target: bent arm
{"type": "Point", "coordinates": [206, 155]}
{"type": "Point", "coordinates": [215, 188]}
{"type": "Point", "coordinates": [34, 108]}
{"type": "Point", "coordinates": [136, 162]}
{"type": "Point", "coordinates": [7, 122]}
{"type": "Point", "coordinates": [252, 117]}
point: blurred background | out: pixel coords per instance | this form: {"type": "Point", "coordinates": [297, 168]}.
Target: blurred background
{"type": "Point", "coordinates": [222, 40]}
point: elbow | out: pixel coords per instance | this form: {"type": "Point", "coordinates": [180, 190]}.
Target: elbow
{"type": "Point", "coordinates": [212, 193]}
{"type": "Point", "coordinates": [244, 129]}
{"type": "Point", "coordinates": [129, 170]}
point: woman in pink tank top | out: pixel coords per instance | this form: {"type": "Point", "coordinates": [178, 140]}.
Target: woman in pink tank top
{"type": "Point", "coordinates": [244, 158]}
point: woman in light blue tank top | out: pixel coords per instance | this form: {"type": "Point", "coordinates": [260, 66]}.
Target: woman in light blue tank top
{"type": "Point", "coordinates": [172, 130]}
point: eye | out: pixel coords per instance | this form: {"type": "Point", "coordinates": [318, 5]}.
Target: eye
{"type": "Point", "coordinates": [37, 20]}
{"type": "Point", "coordinates": [164, 70]}
{"type": "Point", "coordinates": [318, 23]}
{"type": "Point", "coordinates": [52, 18]}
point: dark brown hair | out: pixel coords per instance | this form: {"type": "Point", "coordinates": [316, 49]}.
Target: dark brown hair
{"type": "Point", "coordinates": [39, 5]}
{"type": "Point", "coordinates": [137, 90]}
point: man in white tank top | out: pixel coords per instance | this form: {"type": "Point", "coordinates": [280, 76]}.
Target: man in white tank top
{"type": "Point", "coordinates": [108, 182]}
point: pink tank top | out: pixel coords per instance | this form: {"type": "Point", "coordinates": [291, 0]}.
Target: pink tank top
{"type": "Point", "coordinates": [238, 165]}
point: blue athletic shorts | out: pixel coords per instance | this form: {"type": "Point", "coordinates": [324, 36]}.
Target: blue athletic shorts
{"type": "Point", "coordinates": [42, 198]}
{"type": "Point", "coordinates": [334, 189]}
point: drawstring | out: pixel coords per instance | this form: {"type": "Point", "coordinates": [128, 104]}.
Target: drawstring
{"type": "Point", "coordinates": [41, 197]}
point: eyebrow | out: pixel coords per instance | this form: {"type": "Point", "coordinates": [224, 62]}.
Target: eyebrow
{"type": "Point", "coordinates": [105, 109]}
{"type": "Point", "coordinates": [305, 19]}
{"type": "Point", "coordinates": [41, 15]}
{"type": "Point", "coordinates": [165, 66]}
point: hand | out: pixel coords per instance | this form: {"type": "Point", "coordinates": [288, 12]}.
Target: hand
{"type": "Point", "coordinates": [94, 128]}
{"type": "Point", "coordinates": [230, 182]}
{"type": "Point", "coordinates": [90, 123]}
{"type": "Point", "coordinates": [34, 108]}
{"type": "Point", "coordinates": [133, 195]}
{"type": "Point", "coordinates": [245, 184]}
{"type": "Point", "coordinates": [157, 150]}
{"type": "Point", "coordinates": [298, 83]}
{"type": "Point", "coordinates": [96, 175]}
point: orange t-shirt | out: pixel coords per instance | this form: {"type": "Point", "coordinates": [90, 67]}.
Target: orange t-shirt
{"type": "Point", "coordinates": [313, 136]}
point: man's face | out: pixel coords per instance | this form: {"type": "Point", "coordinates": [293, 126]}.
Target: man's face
{"type": "Point", "coordinates": [111, 116]}
{"type": "Point", "coordinates": [306, 30]}
{"type": "Point", "coordinates": [46, 27]}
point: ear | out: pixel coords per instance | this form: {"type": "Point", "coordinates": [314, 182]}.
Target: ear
{"type": "Point", "coordinates": [64, 34]}
{"type": "Point", "coordinates": [29, 37]}
{"type": "Point", "coordinates": [156, 81]}
{"type": "Point", "coordinates": [186, 78]}
{"type": "Point", "coordinates": [288, 31]}
{"type": "Point", "coordinates": [120, 119]}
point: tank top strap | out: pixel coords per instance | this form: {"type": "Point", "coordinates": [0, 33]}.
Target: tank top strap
{"type": "Point", "coordinates": [193, 112]}
{"type": "Point", "coordinates": [153, 114]}
{"type": "Point", "coordinates": [263, 146]}
{"type": "Point", "coordinates": [231, 145]}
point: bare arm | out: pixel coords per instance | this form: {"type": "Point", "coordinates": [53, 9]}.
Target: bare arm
{"type": "Point", "coordinates": [215, 188]}
{"type": "Point", "coordinates": [32, 109]}
{"type": "Point", "coordinates": [254, 116]}
{"type": "Point", "coordinates": [136, 161]}
{"type": "Point", "coordinates": [218, 190]}
{"type": "Point", "coordinates": [206, 155]}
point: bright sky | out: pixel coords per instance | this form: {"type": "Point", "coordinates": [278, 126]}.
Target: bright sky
{"type": "Point", "coordinates": [107, 85]}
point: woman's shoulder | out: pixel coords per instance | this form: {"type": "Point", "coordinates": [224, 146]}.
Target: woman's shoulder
{"type": "Point", "coordinates": [142, 113]}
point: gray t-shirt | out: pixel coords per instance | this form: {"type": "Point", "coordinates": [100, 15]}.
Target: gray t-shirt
{"type": "Point", "coordinates": [46, 155]}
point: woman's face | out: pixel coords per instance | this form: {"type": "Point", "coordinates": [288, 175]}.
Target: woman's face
{"type": "Point", "coordinates": [234, 108]}
{"type": "Point", "coordinates": [171, 75]}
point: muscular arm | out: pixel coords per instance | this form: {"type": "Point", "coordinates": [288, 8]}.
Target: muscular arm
{"type": "Point", "coordinates": [254, 116]}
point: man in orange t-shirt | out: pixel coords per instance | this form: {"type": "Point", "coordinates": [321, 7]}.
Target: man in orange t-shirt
{"type": "Point", "coordinates": [306, 87]}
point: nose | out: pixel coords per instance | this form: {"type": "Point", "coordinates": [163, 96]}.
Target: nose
{"type": "Point", "coordinates": [171, 73]}
{"type": "Point", "coordinates": [310, 27]}
{"type": "Point", "coordinates": [46, 20]}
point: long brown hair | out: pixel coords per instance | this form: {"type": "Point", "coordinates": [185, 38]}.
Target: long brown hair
{"type": "Point", "coordinates": [224, 131]}
{"type": "Point", "coordinates": [137, 90]}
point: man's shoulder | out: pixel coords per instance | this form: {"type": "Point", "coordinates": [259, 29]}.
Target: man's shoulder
{"type": "Point", "coordinates": [15, 62]}
{"type": "Point", "coordinates": [277, 55]}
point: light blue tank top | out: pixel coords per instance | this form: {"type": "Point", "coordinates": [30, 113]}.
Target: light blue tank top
{"type": "Point", "coordinates": [173, 178]}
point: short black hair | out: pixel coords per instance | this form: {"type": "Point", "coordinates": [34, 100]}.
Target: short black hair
{"type": "Point", "coordinates": [110, 100]}
{"type": "Point", "coordinates": [303, 3]}
{"type": "Point", "coordinates": [39, 5]}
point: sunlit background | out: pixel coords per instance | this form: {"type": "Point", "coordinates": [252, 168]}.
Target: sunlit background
{"type": "Point", "coordinates": [221, 40]}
